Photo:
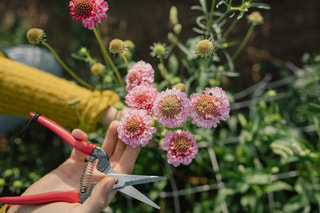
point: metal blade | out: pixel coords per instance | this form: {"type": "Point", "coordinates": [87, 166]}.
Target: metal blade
{"type": "Point", "coordinates": [127, 180]}
{"type": "Point", "coordinates": [134, 193]}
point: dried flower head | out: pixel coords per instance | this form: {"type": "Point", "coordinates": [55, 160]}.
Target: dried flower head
{"type": "Point", "coordinates": [181, 147]}
{"type": "Point", "coordinates": [255, 18]}
{"type": "Point", "coordinates": [209, 107]}
{"type": "Point", "coordinates": [89, 12]}
{"type": "Point", "coordinates": [116, 46]}
{"type": "Point", "coordinates": [135, 128]}
{"type": "Point", "coordinates": [141, 73]}
{"type": "Point", "coordinates": [204, 48]}
{"type": "Point", "coordinates": [142, 97]}
{"type": "Point", "coordinates": [171, 107]}
{"type": "Point", "coordinates": [35, 35]}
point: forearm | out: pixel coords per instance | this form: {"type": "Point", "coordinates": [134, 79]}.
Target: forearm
{"type": "Point", "coordinates": [24, 89]}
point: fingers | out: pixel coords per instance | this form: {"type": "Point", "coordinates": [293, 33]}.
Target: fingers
{"type": "Point", "coordinates": [111, 139]}
{"type": "Point", "coordinates": [100, 197]}
{"type": "Point", "coordinates": [81, 136]}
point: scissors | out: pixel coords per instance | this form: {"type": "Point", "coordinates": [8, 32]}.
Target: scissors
{"type": "Point", "coordinates": [124, 183]}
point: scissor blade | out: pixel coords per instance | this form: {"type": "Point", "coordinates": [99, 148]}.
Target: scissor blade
{"type": "Point", "coordinates": [133, 192]}
{"type": "Point", "coordinates": [128, 180]}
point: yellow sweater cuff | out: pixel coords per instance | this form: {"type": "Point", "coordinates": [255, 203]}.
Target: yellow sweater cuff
{"type": "Point", "coordinates": [24, 89]}
{"type": "Point", "coordinates": [4, 208]}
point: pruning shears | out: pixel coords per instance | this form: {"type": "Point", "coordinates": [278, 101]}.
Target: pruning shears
{"type": "Point", "coordinates": [124, 183]}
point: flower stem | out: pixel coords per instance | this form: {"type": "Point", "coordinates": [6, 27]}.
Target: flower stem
{"type": "Point", "coordinates": [209, 19]}
{"type": "Point", "coordinates": [243, 43]}
{"type": "Point", "coordinates": [66, 67]}
{"type": "Point", "coordinates": [125, 60]}
{"type": "Point", "coordinates": [106, 56]}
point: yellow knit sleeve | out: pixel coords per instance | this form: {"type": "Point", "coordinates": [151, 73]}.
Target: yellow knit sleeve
{"type": "Point", "coordinates": [24, 89]}
{"type": "Point", "coordinates": [4, 208]}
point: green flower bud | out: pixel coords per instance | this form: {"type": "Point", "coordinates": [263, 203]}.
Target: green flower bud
{"type": "Point", "coordinates": [116, 46]}
{"type": "Point", "coordinates": [97, 69]}
{"type": "Point", "coordinates": [180, 86]}
{"type": "Point", "coordinates": [129, 44]}
{"type": "Point", "coordinates": [173, 15]}
{"type": "Point", "coordinates": [119, 106]}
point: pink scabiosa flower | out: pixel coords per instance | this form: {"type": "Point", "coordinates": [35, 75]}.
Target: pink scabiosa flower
{"type": "Point", "coordinates": [171, 107]}
{"type": "Point", "coordinates": [89, 12]}
{"type": "Point", "coordinates": [142, 97]}
{"type": "Point", "coordinates": [141, 73]}
{"type": "Point", "coordinates": [209, 107]}
{"type": "Point", "coordinates": [181, 147]}
{"type": "Point", "coordinates": [135, 128]}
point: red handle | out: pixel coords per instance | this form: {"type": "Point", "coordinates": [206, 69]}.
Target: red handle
{"type": "Point", "coordinates": [82, 146]}
{"type": "Point", "coordinates": [49, 197]}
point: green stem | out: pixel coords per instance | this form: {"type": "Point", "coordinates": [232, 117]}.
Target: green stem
{"type": "Point", "coordinates": [106, 56]}
{"type": "Point", "coordinates": [209, 19]}
{"type": "Point", "coordinates": [243, 43]}
{"type": "Point", "coordinates": [164, 72]}
{"type": "Point", "coordinates": [66, 67]}
{"type": "Point", "coordinates": [125, 60]}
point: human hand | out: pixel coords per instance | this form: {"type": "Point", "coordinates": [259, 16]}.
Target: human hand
{"type": "Point", "coordinates": [67, 177]}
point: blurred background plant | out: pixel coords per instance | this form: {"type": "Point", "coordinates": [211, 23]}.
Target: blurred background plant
{"type": "Point", "coordinates": [263, 159]}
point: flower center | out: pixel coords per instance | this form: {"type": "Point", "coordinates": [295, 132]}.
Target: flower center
{"type": "Point", "coordinates": [206, 107]}
{"type": "Point", "coordinates": [83, 7]}
{"type": "Point", "coordinates": [170, 106]}
{"type": "Point", "coordinates": [133, 77]}
{"type": "Point", "coordinates": [134, 126]}
{"type": "Point", "coordinates": [181, 144]}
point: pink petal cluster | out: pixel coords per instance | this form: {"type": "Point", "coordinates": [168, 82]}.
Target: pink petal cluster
{"type": "Point", "coordinates": [89, 12]}
{"type": "Point", "coordinates": [181, 147]}
{"type": "Point", "coordinates": [209, 107]}
{"type": "Point", "coordinates": [141, 73]}
{"type": "Point", "coordinates": [171, 107]}
{"type": "Point", "coordinates": [142, 97]}
{"type": "Point", "coordinates": [135, 128]}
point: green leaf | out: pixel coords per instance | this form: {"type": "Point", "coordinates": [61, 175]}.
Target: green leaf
{"type": "Point", "coordinates": [278, 186]}
{"type": "Point", "coordinates": [173, 65]}
{"type": "Point", "coordinates": [257, 178]}
{"type": "Point", "coordinates": [260, 6]}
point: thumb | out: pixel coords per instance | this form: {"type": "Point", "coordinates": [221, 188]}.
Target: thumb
{"type": "Point", "coordinates": [100, 197]}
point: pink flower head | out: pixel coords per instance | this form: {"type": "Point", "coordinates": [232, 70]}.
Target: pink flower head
{"type": "Point", "coordinates": [142, 97]}
{"type": "Point", "coordinates": [88, 12]}
{"type": "Point", "coordinates": [141, 73]}
{"type": "Point", "coordinates": [171, 107]}
{"type": "Point", "coordinates": [135, 128]}
{"type": "Point", "coordinates": [181, 147]}
{"type": "Point", "coordinates": [209, 107]}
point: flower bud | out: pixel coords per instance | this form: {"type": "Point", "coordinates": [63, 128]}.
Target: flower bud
{"type": "Point", "coordinates": [177, 29]}
{"type": "Point", "coordinates": [255, 18]}
{"type": "Point", "coordinates": [129, 44]}
{"type": "Point", "coordinates": [180, 86]}
{"type": "Point", "coordinates": [118, 106]}
{"type": "Point", "coordinates": [204, 48]}
{"type": "Point", "coordinates": [116, 46]}
{"type": "Point", "coordinates": [35, 35]}
{"type": "Point", "coordinates": [158, 50]}
{"type": "Point", "coordinates": [97, 69]}
{"type": "Point", "coordinates": [173, 15]}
